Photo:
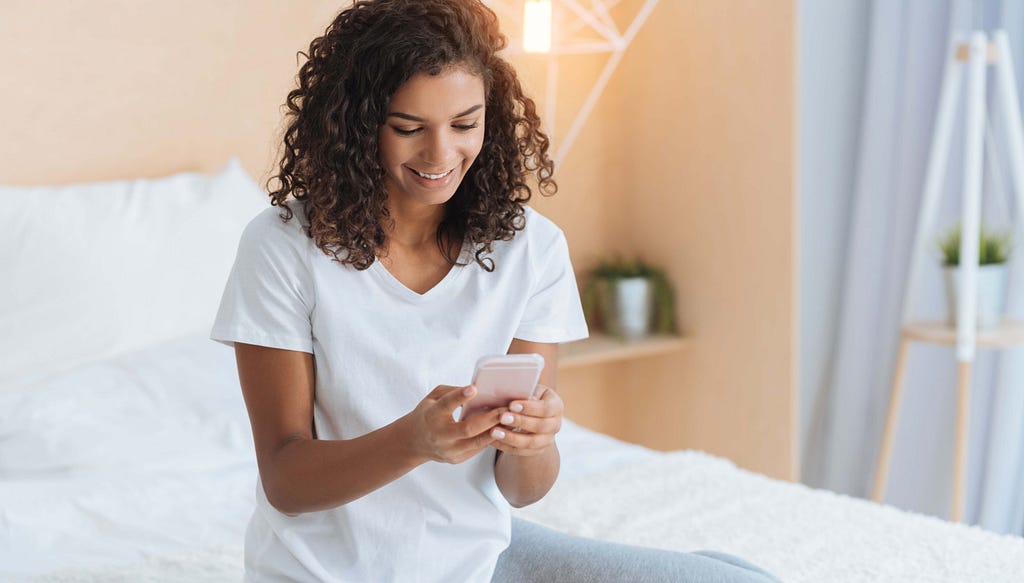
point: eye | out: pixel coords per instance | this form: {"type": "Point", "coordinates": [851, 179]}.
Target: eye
{"type": "Point", "coordinates": [402, 132]}
{"type": "Point", "coordinates": [466, 128]}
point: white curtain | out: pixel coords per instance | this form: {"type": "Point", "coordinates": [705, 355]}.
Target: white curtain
{"type": "Point", "coordinates": [906, 56]}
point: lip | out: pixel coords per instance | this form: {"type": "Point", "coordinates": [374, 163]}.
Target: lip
{"type": "Point", "coordinates": [434, 183]}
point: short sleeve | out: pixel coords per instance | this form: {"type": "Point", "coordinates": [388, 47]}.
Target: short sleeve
{"type": "Point", "coordinates": [268, 299]}
{"type": "Point", "coordinates": [553, 312]}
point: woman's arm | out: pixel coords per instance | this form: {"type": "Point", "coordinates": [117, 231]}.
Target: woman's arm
{"type": "Point", "coordinates": [527, 463]}
{"type": "Point", "coordinates": [302, 474]}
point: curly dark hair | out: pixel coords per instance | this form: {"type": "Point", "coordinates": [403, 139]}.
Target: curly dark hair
{"type": "Point", "coordinates": [331, 153]}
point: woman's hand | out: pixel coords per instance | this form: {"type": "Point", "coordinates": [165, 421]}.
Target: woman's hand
{"type": "Point", "coordinates": [528, 428]}
{"type": "Point", "coordinates": [435, 435]}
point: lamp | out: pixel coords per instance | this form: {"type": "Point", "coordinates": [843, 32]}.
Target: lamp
{"type": "Point", "coordinates": [537, 26]}
{"type": "Point", "coordinates": [553, 27]}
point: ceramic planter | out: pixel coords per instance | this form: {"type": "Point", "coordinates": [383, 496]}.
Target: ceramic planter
{"type": "Point", "coordinates": [627, 307]}
{"type": "Point", "coordinates": [991, 293]}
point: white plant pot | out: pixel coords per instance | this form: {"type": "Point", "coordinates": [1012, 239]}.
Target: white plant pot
{"type": "Point", "coordinates": [633, 306]}
{"type": "Point", "coordinates": [991, 294]}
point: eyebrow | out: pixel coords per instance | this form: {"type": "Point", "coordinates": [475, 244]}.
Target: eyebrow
{"type": "Point", "coordinates": [421, 120]}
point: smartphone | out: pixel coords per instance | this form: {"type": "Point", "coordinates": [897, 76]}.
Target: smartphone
{"type": "Point", "coordinates": [502, 379]}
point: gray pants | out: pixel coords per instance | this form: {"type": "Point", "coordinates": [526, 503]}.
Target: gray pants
{"type": "Point", "coordinates": [541, 555]}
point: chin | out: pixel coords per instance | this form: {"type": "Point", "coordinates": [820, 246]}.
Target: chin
{"type": "Point", "coordinates": [435, 200]}
{"type": "Point", "coordinates": [435, 197]}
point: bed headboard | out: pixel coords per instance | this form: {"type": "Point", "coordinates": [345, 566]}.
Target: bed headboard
{"type": "Point", "coordinates": [138, 88]}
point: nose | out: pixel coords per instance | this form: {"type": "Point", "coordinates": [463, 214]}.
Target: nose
{"type": "Point", "coordinates": [439, 149]}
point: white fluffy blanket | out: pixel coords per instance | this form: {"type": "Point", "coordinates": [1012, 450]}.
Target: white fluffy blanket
{"type": "Point", "coordinates": [691, 501]}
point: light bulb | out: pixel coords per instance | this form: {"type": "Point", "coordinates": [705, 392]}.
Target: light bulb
{"type": "Point", "coordinates": [537, 26]}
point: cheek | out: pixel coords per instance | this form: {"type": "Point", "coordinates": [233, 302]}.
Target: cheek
{"type": "Point", "coordinates": [474, 146]}
{"type": "Point", "coordinates": [390, 153]}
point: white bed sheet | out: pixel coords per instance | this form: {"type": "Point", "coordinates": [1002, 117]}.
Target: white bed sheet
{"type": "Point", "coordinates": [150, 455]}
{"type": "Point", "coordinates": [83, 499]}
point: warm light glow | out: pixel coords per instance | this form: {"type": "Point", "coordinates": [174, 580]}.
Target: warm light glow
{"type": "Point", "coordinates": [537, 26]}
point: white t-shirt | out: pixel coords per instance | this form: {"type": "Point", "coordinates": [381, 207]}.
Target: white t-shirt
{"type": "Point", "coordinates": [379, 348]}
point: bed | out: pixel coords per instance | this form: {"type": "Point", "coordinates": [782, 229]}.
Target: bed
{"type": "Point", "coordinates": [126, 455]}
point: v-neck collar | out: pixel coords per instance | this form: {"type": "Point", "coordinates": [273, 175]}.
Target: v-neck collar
{"type": "Point", "coordinates": [439, 288]}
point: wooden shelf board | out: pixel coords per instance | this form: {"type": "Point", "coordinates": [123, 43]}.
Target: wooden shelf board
{"type": "Point", "coordinates": [1008, 333]}
{"type": "Point", "coordinates": [601, 348]}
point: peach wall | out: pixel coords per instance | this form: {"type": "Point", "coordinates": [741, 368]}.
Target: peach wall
{"type": "Point", "coordinates": [688, 158]}
{"type": "Point", "coordinates": [712, 94]}
{"type": "Point", "coordinates": [694, 143]}
{"type": "Point", "coordinates": [121, 88]}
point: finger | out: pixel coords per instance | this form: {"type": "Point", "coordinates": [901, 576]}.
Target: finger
{"type": "Point", "coordinates": [456, 397]}
{"type": "Point", "coordinates": [529, 424]}
{"type": "Point", "coordinates": [521, 440]}
{"type": "Point", "coordinates": [540, 390]}
{"type": "Point", "coordinates": [548, 394]}
{"type": "Point", "coordinates": [482, 422]}
{"type": "Point", "coordinates": [547, 407]}
{"type": "Point", "coordinates": [470, 448]}
{"type": "Point", "coordinates": [471, 414]}
{"type": "Point", "coordinates": [475, 444]}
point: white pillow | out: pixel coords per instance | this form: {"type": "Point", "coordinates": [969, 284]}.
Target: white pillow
{"type": "Point", "coordinates": [88, 271]}
{"type": "Point", "coordinates": [173, 405]}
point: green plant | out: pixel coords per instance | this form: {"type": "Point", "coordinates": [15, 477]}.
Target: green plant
{"type": "Point", "coordinates": [993, 247]}
{"type": "Point", "coordinates": [596, 296]}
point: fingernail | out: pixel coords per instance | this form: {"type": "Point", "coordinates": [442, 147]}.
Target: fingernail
{"type": "Point", "coordinates": [498, 434]}
{"type": "Point", "coordinates": [468, 390]}
{"type": "Point", "coordinates": [517, 407]}
{"type": "Point", "coordinates": [507, 419]}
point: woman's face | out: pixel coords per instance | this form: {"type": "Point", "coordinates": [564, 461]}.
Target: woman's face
{"type": "Point", "coordinates": [433, 133]}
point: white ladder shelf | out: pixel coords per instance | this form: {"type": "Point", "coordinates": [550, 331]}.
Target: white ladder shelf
{"type": "Point", "coordinates": [975, 55]}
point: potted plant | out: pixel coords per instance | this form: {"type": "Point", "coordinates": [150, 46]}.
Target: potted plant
{"type": "Point", "coordinates": [993, 253]}
{"type": "Point", "coordinates": [629, 299]}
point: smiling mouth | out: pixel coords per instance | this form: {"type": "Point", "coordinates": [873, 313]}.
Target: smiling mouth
{"type": "Point", "coordinates": [431, 176]}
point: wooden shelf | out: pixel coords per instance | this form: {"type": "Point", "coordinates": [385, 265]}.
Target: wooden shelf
{"type": "Point", "coordinates": [1008, 333]}
{"type": "Point", "coordinates": [601, 348]}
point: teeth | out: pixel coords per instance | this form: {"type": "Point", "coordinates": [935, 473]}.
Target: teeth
{"type": "Point", "coordinates": [432, 176]}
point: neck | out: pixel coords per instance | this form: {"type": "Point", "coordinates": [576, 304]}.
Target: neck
{"type": "Point", "coordinates": [414, 226]}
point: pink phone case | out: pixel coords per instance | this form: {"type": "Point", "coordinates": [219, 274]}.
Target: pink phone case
{"type": "Point", "coordinates": [504, 378]}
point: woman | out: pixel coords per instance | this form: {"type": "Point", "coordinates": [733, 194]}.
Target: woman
{"type": "Point", "coordinates": [402, 251]}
